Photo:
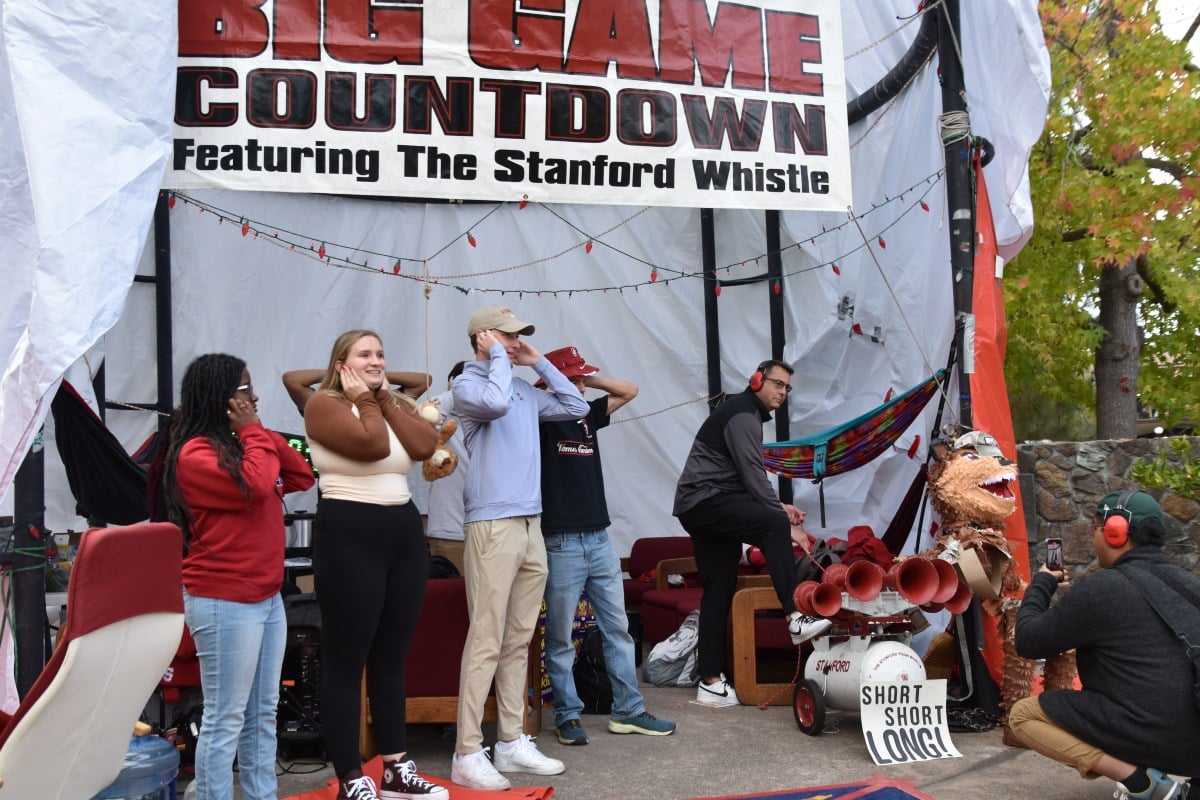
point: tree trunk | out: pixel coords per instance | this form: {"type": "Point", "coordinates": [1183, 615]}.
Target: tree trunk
{"type": "Point", "coordinates": [1118, 357]}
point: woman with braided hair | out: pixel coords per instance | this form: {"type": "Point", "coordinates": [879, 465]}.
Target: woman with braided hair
{"type": "Point", "coordinates": [224, 480]}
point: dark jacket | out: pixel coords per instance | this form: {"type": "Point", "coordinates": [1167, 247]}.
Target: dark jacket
{"type": "Point", "coordinates": [1136, 703]}
{"type": "Point", "coordinates": [727, 456]}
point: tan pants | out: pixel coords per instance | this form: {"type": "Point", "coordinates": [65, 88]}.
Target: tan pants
{"type": "Point", "coordinates": [451, 549]}
{"type": "Point", "coordinates": [505, 577]}
{"type": "Point", "coordinates": [1030, 724]}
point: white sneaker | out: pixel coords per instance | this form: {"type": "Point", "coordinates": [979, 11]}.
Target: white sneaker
{"type": "Point", "coordinates": [803, 628]}
{"type": "Point", "coordinates": [717, 694]}
{"type": "Point", "coordinates": [475, 771]}
{"type": "Point", "coordinates": [522, 755]}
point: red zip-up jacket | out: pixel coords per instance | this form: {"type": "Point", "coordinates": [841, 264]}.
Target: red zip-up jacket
{"type": "Point", "coordinates": [236, 549]}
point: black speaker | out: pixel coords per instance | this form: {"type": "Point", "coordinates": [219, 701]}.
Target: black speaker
{"type": "Point", "coordinates": [299, 713]}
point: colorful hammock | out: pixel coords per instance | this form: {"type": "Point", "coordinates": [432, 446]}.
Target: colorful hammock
{"type": "Point", "coordinates": [848, 446]}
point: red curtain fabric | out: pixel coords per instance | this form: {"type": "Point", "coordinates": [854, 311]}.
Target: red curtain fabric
{"type": "Point", "coordinates": [989, 393]}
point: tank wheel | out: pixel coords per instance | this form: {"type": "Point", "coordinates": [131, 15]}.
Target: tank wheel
{"type": "Point", "coordinates": [808, 705]}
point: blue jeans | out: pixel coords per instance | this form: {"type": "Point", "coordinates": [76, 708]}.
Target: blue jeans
{"type": "Point", "coordinates": [240, 647]}
{"type": "Point", "coordinates": [579, 561]}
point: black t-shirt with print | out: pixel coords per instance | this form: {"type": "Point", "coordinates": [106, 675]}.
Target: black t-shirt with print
{"type": "Point", "coordinates": [572, 480]}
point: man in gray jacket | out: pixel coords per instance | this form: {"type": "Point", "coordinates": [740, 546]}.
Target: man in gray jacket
{"type": "Point", "coordinates": [1136, 718]}
{"type": "Point", "coordinates": [724, 499]}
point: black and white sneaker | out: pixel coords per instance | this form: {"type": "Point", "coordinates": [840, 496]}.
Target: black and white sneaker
{"type": "Point", "coordinates": [360, 788]}
{"type": "Point", "coordinates": [803, 628]}
{"type": "Point", "coordinates": [401, 782]}
{"type": "Point", "coordinates": [717, 694]}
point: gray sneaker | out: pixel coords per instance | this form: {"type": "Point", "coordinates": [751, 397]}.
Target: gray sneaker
{"type": "Point", "coordinates": [1162, 787]}
{"type": "Point", "coordinates": [571, 732]}
{"type": "Point", "coordinates": [643, 723]}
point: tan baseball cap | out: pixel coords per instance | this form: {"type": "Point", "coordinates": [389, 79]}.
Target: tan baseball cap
{"type": "Point", "coordinates": [497, 318]}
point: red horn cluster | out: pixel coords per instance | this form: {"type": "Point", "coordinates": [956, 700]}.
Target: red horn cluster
{"type": "Point", "coordinates": [817, 599]}
{"type": "Point", "coordinates": [916, 579]}
{"type": "Point", "coordinates": [931, 583]}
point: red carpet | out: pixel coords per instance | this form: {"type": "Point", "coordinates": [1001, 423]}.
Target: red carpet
{"type": "Point", "coordinates": [374, 769]}
{"type": "Point", "coordinates": [878, 787]}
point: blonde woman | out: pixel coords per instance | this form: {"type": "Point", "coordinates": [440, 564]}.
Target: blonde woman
{"type": "Point", "coordinates": [369, 560]}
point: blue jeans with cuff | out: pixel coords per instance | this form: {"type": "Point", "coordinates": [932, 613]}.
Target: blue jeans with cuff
{"type": "Point", "coordinates": [579, 561]}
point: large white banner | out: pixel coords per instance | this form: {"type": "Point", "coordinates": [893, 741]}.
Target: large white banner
{"type": "Point", "coordinates": [700, 103]}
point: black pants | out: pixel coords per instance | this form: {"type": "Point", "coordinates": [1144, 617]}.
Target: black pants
{"type": "Point", "coordinates": [369, 566]}
{"type": "Point", "coordinates": [718, 526]}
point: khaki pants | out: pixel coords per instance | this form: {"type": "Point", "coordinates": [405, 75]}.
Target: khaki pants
{"type": "Point", "coordinates": [451, 549]}
{"type": "Point", "coordinates": [1030, 724]}
{"type": "Point", "coordinates": [505, 577]}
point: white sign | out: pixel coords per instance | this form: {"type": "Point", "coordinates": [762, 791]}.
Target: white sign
{"type": "Point", "coordinates": [905, 721]}
{"type": "Point", "coordinates": [703, 103]}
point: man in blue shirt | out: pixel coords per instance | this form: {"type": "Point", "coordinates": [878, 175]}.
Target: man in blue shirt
{"type": "Point", "coordinates": [505, 554]}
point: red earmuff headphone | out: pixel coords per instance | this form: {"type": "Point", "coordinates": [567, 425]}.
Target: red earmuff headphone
{"type": "Point", "coordinates": [756, 380]}
{"type": "Point", "coordinates": [1116, 526]}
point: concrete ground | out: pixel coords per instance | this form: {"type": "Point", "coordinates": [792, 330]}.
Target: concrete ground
{"type": "Point", "coordinates": [742, 749]}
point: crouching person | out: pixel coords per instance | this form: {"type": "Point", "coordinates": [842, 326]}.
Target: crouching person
{"type": "Point", "coordinates": [1136, 718]}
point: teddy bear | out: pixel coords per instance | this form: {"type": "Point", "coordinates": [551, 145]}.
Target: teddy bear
{"type": "Point", "coordinates": [444, 460]}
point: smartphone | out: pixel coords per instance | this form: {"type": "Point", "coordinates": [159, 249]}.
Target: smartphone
{"type": "Point", "coordinates": [1054, 554]}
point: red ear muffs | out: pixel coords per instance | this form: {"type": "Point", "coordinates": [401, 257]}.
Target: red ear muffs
{"type": "Point", "coordinates": [1116, 531]}
{"type": "Point", "coordinates": [759, 377]}
{"type": "Point", "coordinates": [1116, 527]}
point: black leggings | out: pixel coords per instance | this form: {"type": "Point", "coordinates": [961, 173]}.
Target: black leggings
{"type": "Point", "coordinates": [370, 564]}
{"type": "Point", "coordinates": [718, 526]}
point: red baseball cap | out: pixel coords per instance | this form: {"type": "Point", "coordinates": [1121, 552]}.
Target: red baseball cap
{"type": "Point", "coordinates": [568, 361]}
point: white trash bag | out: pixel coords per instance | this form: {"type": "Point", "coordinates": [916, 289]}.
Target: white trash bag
{"type": "Point", "coordinates": [672, 662]}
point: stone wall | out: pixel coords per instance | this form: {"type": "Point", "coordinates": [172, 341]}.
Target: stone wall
{"type": "Point", "coordinates": [1068, 479]}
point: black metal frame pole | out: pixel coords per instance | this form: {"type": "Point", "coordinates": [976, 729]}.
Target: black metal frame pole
{"type": "Point", "coordinates": [712, 332]}
{"type": "Point", "coordinates": [778, 336]}
{"type": "Point", "coordinates": [162, 306]}
{"type": "Point", "coordinates": [960, 202]}
{"type": "Point", "coordinates": [29, 566]}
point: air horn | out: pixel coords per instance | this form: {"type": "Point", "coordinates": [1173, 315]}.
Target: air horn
{"type": "Point", "coordinates": [961, 600]}
{"type": "Point", "coordinates": [864, 580]}
{"type": "Point", "coordinates": [835, 574]}
{"type": "Point", "coordinates": [817, 599]}
{"type": "Point", "coordinates": [916, 579]}
{"type": "Point", "coordinates": [947, 580]}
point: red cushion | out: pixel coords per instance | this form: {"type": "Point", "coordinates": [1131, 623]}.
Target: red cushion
{"type": "Point", "coordinates": [436, 655]}
{"type": "Point", "coordinates": [663, 611]}
{"type": "Point", "coordinates": [647, 552]}
{"type": "Point", "coordinates": [635, 589]}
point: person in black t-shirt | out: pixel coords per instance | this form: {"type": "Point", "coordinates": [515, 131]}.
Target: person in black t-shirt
{"type": "Point", "coordinates": [579, 556]}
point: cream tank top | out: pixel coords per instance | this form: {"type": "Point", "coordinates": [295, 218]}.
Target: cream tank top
{"type": "Point", "coordinates": [383, 482]}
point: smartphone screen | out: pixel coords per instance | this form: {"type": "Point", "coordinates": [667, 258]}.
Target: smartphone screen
{"type": "Point", "coordinates": [1054, 554]}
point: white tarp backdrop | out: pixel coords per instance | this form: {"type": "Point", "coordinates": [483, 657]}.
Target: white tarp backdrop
{"type": "Point", "coordinates": [86, 93]}
{"type": "Point", "coordinates": [249, 278]}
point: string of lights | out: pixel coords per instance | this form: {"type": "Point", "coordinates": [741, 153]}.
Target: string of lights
{"type": "Point", "coordinates": [391, 265]}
